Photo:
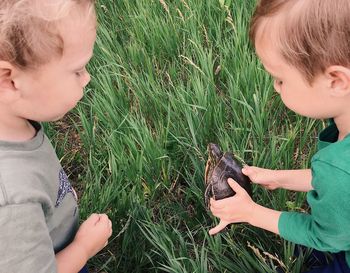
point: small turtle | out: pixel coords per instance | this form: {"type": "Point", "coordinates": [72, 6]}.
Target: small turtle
{"type": "Point", "coordinates": [218, 169]}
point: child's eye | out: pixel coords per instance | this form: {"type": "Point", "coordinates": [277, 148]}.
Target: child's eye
{"type": "Point", "coordinates": [278, 82]}
{"type": "Point", "coordinates": [80, 72]}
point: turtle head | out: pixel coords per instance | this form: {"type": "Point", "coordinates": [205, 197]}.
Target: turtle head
{"type": "Point", "coordinates": [214, 153]}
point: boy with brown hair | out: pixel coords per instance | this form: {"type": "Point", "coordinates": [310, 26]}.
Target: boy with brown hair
{"type": "Point", "coordinates": [305, 46]}
{"type": "Point", "coordinates": [44, 48]}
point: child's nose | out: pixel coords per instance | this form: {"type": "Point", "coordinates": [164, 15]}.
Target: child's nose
{"type": "Point", "coordinates": [277, 87]}
{"type": "Point", "coordinates": [86, 79]}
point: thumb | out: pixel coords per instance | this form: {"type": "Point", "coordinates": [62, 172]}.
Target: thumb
{"type": "Point", "coordinates": [246, 170]}
{"type": "Point", "coordinates": [234, 185]}
{"type": "Point", "coordinates": [218, 228]}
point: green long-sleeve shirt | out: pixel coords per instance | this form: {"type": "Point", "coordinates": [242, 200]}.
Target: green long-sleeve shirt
{"type": "Point", "coordinates": [327, 227]}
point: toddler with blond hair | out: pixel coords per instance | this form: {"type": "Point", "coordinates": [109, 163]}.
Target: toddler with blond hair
{"type": "Point", "coordinates": [305, 46]}
{"type": "Point", "coordinates": [44, 49]}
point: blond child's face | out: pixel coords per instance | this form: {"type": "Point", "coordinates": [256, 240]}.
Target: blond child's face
{"type": "Point", "coordinates": [311, 101]}
{"type": "Point", "coordinates": [48, 93]}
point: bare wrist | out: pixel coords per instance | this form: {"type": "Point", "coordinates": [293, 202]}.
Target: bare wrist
{"type": "Point", "coordinates": [265, 218]}
{"type": "Point", "coordinates": [251, 214]}
{"type": "Point", "coordinates": [81, 249]}
{"type": "Point", "coordinates": [274, 174]}
{"type": "Point", "coordinates": [72, 258]}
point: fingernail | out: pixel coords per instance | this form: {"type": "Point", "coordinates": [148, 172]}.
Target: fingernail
{"type": "Point", "coordinates": [245, 167]}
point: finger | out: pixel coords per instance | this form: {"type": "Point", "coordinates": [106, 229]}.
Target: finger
{"type": "Point", "coordinates": [94, 218]}
{"type": "Point", "coordinates": [269, 187]}
{"type": "Point", "coordinates": [104, 217]}
{"type": "Point", "coordinates": [235, 186]}
{"type": "Point", "coordinates": [250, 171]}
{"type": "Point", "coordinates": [218, 228]}
{"type": "Point", "coordinates": [106, 243]}
{"type": "Point", "coordinates": [246, 170]}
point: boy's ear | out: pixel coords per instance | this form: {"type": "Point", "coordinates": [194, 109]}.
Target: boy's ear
{"type": "Point", "coordinates": [339, 80]}
{"type": "Point", "coordinates": [8, 90]}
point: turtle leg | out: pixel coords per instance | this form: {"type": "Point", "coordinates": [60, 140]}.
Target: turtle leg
{"type": "Point", "coordinates": [206, 172]}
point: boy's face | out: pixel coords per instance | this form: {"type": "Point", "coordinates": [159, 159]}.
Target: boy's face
{"type": "Point", "coordinates": [48, 93]}
{"type": "Point", "coordinates": [289, 83]}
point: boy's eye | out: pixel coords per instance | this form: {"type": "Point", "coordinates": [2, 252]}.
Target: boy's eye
{"type": "Point", "coordinates": [80, 72]}
{"type": "Point", "coordinates": [278, 82]}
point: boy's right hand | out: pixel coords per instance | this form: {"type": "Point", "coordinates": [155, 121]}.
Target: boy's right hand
{"type": "Point", "coordinates": [263, 177]}
{"type": "Point", "coordinates": [93, 234]}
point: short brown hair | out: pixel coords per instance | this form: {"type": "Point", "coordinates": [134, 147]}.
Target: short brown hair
{"type": "Point", "coordinates": [313, 35]}
{"type": "Point", "coordinates": [28, 31]}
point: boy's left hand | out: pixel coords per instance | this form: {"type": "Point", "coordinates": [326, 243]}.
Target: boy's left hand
{"type": "Point", "coordinates": [238, 208]}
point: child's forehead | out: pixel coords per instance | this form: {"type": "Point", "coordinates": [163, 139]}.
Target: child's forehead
{"type": "Point", "coordinates": [270, 35]}
{"type": "Point", "coordinates": [270, 59]}
{"type": "Point", "coordinates": [273, 27]}
{"type": "Point", "coordinates": [266, 44]}
{"type": "Point", "coordinates": [78, 40]}
{"type": "Point", "coordinates": [269, 52]}
{"type": "Point", "coordinates": [77, 28]}
{"type": "Point", "coordinates": [80, 17]}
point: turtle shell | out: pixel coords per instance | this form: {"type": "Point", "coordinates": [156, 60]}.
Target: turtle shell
{"type": "Point", "coordinates": [217, 173]}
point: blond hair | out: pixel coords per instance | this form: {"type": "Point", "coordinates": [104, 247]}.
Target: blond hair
{"type": "Point", "coordinates": [28, 30]}
{"type": "Point", "coordinates": [312, 35]}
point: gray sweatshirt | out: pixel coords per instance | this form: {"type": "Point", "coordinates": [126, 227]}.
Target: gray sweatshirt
{"type": "Point", "coordinates": [38, 206]}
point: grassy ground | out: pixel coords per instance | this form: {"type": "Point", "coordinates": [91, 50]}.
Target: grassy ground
{"type": "Point", "coordinates": [167, 78]}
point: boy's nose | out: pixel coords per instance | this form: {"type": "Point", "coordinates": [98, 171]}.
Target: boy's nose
{"type": "Point", "coordinates": [277, 87]}
{"type": "Point", "coordinates": [86, 79]}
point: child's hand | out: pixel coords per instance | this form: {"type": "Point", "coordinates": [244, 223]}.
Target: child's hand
{"type": "Point", "coordinates": [93, 234]}
{"type": "Point", "coordinates": [263, 177]}
{"type": "Point", "coordinates": [237, 208]}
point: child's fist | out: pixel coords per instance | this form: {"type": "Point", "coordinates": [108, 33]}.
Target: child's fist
{"type": "Point", "coordinates": [93, 234]}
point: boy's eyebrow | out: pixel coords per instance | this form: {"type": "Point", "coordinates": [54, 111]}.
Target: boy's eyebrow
{"type": "Point", "coordinates": [85, 62]}
{"type": "Point", "coordinates": [268, 70]}
{"type": "Point", "coordinates": [266, 67]}
{"type": "Point", "coordinates": [273, 75]}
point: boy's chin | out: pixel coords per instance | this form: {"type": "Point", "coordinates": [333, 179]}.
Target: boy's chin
{"type": "Point", "coordinates": [51, 119]}
{"type": "Point", "coordinates": [58, 118]}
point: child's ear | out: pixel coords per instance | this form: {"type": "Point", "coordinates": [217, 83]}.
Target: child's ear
{"type": "Point", "coordinates": [8, 90]}
{"type": "Point", "coordinates": [338, 78]}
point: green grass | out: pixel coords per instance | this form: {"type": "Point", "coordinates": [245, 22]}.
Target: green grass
{"type": "Point", "coordinates": [166, 80]}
